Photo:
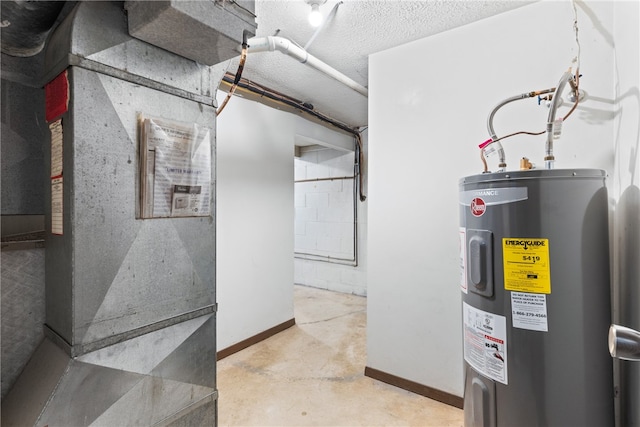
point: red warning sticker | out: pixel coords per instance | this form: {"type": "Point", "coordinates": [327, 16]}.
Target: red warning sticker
{"type": "Point", "coordinates": [56, 94]}
{"type": "Point", "coordinates": [478, 207]}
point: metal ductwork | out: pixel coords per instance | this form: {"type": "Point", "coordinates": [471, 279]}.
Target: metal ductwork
{"type": "Point", "coordinates": [26, 25]}
{"type": "Point", "coordinates": [205, 31]}
{"type": "Point", "coordinates": [130, 302]}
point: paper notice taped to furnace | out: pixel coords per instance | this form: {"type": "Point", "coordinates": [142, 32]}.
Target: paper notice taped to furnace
{"type": "Point", "coordinates": [175, 169]}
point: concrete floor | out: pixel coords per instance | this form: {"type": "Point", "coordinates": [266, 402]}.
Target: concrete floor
{"type": "Point", "coordinates": [313, 375]}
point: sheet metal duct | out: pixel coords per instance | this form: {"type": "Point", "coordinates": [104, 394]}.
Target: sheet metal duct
{"type": "Point", "coordinates": [26, 25]}
{"type": "Point", "coordinates": [130, 303]}
{"type": "Point", "coordinates": [205, 31]}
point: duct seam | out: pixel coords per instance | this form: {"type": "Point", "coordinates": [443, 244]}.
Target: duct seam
{"type": "Point", "coordinates": [188, 409]}
{"type": "Point", "coordinates": [80, 349]}
{"type": "Point", "coordinates": [87, 64]}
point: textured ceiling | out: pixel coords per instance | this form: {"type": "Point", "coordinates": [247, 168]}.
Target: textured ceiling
{"type": "Point", "coordinates": [358, 29]}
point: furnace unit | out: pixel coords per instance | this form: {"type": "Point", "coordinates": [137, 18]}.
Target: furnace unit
{"type": "Point", "coordinates": [536, 298]}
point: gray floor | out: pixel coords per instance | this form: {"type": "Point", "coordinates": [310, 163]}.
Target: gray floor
{"type": "Point", "coordinates": [312, 375]}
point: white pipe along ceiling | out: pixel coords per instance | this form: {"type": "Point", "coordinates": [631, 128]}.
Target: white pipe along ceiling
{"type": "Point", "coordinates": [281, 44]}
{"type": "Point", "coordinates": [347, 36]}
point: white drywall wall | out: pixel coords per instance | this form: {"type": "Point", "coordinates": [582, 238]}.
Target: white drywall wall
{"type": "Point", "coordinates": [255, 214]}
{"type": "Point", "coordinates": [254, 219]}
{"type": "Point", "coordinates": [425, 125]}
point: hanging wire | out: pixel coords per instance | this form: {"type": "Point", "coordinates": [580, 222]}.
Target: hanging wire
{"type": "Point", "coordinates": [576, 60]}
{"type": "Point", "coordinates": [575, 87]}
{"type": "Point", "coordinates": [243, 58]}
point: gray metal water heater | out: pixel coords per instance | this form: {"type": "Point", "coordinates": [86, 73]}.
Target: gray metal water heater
{"type": "Point", "coordinates": [536, 309]}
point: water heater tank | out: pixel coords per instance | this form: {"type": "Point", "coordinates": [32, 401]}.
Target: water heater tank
{"type": "Point", "coordinates": [536, 298]}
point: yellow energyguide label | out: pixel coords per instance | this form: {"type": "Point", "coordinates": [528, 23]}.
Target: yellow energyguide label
{"type": "Point", "coordinates": [526, 265]}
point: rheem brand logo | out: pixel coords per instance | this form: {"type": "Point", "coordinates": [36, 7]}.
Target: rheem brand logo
{"type": "Point", "coordinates": [478, 206]}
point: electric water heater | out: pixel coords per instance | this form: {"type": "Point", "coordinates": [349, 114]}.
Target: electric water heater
{"type": "Point", "coordinates": [536, 309]}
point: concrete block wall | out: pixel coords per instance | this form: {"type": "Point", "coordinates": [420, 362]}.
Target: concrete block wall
{"type": "Point", "coordinates": [324, 223]}
{"type": "Point", "coordinates": [324, 209]}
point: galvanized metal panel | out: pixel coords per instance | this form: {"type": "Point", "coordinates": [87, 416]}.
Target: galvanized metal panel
{"type": "Point", "coordinates": [110, 276]}
{"type": "Point", "coordinates": [166, 377]}
{"type": "Point", "coordinates": [208, 32]}
{"type": "Point", "coordinates": [204, 414]}
{"type": "Point", "coordinates": [24, 404]}
{"type": "Point", "coordinates": [28, 26]}
{"type": "Point", "coordinates": [22, 310]}
{"type": "Point", "coordinates": [143, 354]}
{"type": "Point", "coordinates": [85, 392]}
{"type": "Point", "coordinates": [94, 395]}
{"type": "Point", "coordinates": [98, 31]}
{"type": "Point", "coordinates": [23, 129]}
{"type": "Point", "coordinates": [127, 273]}
{"type": "Point", "coordinates": [152, 401]}
{"type": "Point", "coordinates": [191, 362]}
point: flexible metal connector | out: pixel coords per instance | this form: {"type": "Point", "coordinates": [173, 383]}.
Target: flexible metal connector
{"type": "Point", "coordinates": [555, 103]}
{"type": "Point", "coordinates": [492, 134]}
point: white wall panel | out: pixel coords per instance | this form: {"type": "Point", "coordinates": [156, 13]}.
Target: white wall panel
{"type": "Point", "coordinates": [254, 219]}
{"type": "Point", "coordinates": [424, 132]}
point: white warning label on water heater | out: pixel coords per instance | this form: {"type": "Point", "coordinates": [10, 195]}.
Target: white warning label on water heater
{"type": "Point", "coordinates": [485, 342]}
{"type": "Point", "coordinates": [529, 311]}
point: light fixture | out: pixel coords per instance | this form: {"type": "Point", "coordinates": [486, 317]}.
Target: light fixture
{"type": "Point", "coordinates": [315, 17]}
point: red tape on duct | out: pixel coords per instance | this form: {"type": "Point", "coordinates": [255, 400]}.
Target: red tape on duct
{"type": "Point", "coordinates": [56, 94]}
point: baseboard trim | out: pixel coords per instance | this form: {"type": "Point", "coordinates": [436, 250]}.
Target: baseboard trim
{"type": "Point", "coordinates": [414, 387]}
{"type": "Point", "coordinates": [255, 339]}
